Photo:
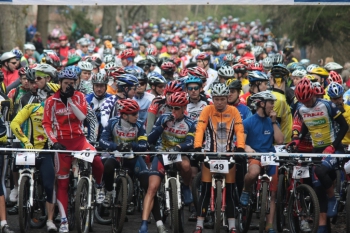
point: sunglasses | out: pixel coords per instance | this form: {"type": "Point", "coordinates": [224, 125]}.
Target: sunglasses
{"type": "Point", "coordinates": [38, 78]}
{"type": "Point", "coordinates": [13, 63]}
{"type": "Point", "coordinates": [142, 84]}
{"type": "Point", "coordinates": [153, 64]}
{"type": "Point", "coordinates": [134, 114]}
{"type": "Point", "coordinates": [174, 108]}
{"type": "Point", "coordinates": [193, 88]}
{"type": "Point", "coordinates": [161, 86]}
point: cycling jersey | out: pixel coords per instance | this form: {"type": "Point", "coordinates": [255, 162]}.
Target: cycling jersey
{"type": "Point", "coordinates": [107, 108]}
{"type": "Point", "coordinates": [195, 109]}
{"type": "Point", "coordinates": [219, 129]}
{"type": "Point", "coordinates": [243, 99]}
{"type": "Point", "coordinates": [346, 114]}
{"type": "Point", "coordinates": [319, 121]}
{"type": "Point", "coordinates": [283, 112]}
{"type": "Point", "coordinates": [305, 144]}
{"type": "Point", "coordinates": [179, 132]}
{"type": "Point", "coordinates": [29, 98]}
{"type": "Point", "coordinates": [212, 75]}
{"type": "Point", "coordinates": [111, 90]}
{"type": "Point", "coordinates": [85, 87]}
{"type": "Point", "coordinates": [64, 122]}
{"type": "Point", "coordinates": [243, 110]}
{"type": "Point", "coordinates": [34, 133]}
{"type": "Point", "coordinates": [118, 131]}
{"type": "Point", "coordinates": [144, 102]}
{"type": "Point", "coordinates": [16, 94]}
{"type": "Point", "coordinates": [9, 77]}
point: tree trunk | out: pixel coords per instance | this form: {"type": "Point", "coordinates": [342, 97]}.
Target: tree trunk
{"type": "Point", "coordinates": [121, 16]}
{"type": "Point", "coordinates": [12, 30]}
{"type": "Point", "coordinates": [109, 20]}
{"type": "Point", "coordinates": [42, 20]}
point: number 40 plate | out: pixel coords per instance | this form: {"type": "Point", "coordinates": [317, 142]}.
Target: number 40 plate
{"type": "Point", "coordinates": [218, 166]}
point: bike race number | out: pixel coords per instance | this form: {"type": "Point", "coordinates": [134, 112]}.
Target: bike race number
{"type": "Point", "coordinates": [269, 160]}
{"type": "Point", "coordinates": [300, 172]}
{"type": "Point", "coordinates": [218, 166]}
{"type": "Point", "coordinates": [166, 161]}
{"type": "Point", "coordinates": [86, 156]}
{"type": "Point", "coordinates": [25, 158]}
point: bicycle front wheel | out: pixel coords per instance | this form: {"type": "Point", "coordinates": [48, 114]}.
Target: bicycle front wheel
{"type": "Point", "coordinates": [82, 217]}
{"type": "Point", "coordinates": [263, 207]}
{"type": "Point", "coordinates": [217, 210]}
{"type": "Point", "coordinates": [24, 207]}
{"type": "Point", "coordinates": [174, 210]}
{"type": "Point", "coordinates": [196, 188]}
{"type": "Point", "coordinates": [281, 203]}
{"type": "Point", "coordinates": [245, 216]}
{"type": "Point", "coordinates": [303, 210]}
{"type": "Point", "coordinates": [38, 216]}
{"type": "Point", "coordinates": [119, 204]}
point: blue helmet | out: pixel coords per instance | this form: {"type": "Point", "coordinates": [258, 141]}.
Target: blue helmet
{"type": "Point", "coordinates": [67, 74]}
{"type": "Point", "coordinates": [155, 78]}
{"type": "Point", "coordinates": [193, 79]}
{"type": "Point", "coordinates": [335, 90]}
{"type": "Point", "coordinates": [75, 69]}
{"type": "Point", "coordinates": [255, 76]}
{"type": "Point", "coordinates": [127, 80]}
{"type": "Point", "coordinates": [138, 72]}
{"type": "Point", "coordinates": [18, 53]}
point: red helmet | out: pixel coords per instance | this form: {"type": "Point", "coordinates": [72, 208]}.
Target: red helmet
{"type": "Point", "coordinates": [115, 72]}
{"type": "Point", "coordinates": [151, 51]}
{"type": "Point", "coordinates": [255, 67]}
{"type": "Point", "coordinates": [183, 73]}
{"type": "Point", "coordinates": [335, 77]}
{"type": "Point", "coordinates": [241, 46]}
{"type": "Point", "coordinates": [318, 89]}
{"type": "Point", "coordinates": [55, 46]}
{"type": "Point", "coordinates": [178, 99]}
{"type": "Point", "coordinates": [192, 44]}
{"type": "Point", "coordinates": [168, 66]}
{"type": "Point", "coordinates": [63, 37]}
{"type": "Point", "coordinates": [198, 72]}
{"type": "Point", "coordinates": [245, 60]}
{"type": "Point", "coordinates": [128, 45]}
{"type": "Point", "coordinates": [127, 53]}
{"type": "Point", "coordinates": [128, 106]}
{"type": "Point", "coordinates": [174, 50]}
{"type": "Point", "coordinates": [173, 86]}
{"type": "Point", "coordinates": [230, 46]}
{"type": "Point", "coordinates": [23, 70]}
{"type": "Point", "coordinates": [177, 61]}
{"type": "Point", "coordinates": [52, 59]}
{"type": "Point", "coordinates": [239, 68]}
{"type": "Point", "coordinates": [304, 91]}
{"type": "Point", "coordinates": [203, 56]}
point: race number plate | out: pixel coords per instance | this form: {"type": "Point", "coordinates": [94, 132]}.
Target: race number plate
{"type": "Point", "coordinates": [166, 161]}
{"type": "Point", "coordinates": [86, 156]}
{"type": "Point", "coordinates": [218, 166]}
{"type": "Point", "coordinates": [269, 160]}
{"type": "Point", "coordinates": [25, 158]}
{"type": "Point", "coordinates": [300, 172]}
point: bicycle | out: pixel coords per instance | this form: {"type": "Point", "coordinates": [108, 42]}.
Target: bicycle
{"type": "Point", "coordinates": [170, 197]}
{"type": "Point", "coordinates": [31, 194]}
{"type": "Point", "coordinates": [303, 206]}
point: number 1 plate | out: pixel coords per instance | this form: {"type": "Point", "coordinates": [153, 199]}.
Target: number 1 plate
{"type": "Point", "coordinates": [86, 156]}
{"type": "Point", "coordinates": [218, 166]}
{"type": "Point", "coordinates": [25, 158]}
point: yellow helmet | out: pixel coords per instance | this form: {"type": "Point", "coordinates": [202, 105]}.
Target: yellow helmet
{"type": "Point", "coordinates": [311, 78]}
{"type": "Point", "coordinates": [319, 71]}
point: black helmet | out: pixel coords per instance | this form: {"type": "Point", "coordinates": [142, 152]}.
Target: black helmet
{"type": "Point", "coordinates": [144, 64]}
{"type": "Point", "coordinates": [30, 74]}
{"type": "Point", "coordinates": [236, 84]}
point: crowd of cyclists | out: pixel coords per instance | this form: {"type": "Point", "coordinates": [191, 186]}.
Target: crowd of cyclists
{"type": "Point", "coordinates": [172, 87]}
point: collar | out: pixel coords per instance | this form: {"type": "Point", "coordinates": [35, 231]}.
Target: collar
{"type": "Point", "coordinates": [139, 98]}
{"type": "Point", "coordinates": [278, 90]}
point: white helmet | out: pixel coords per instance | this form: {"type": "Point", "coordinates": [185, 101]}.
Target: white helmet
{"type": "Point", "coordinates": [195, 52]}
{"type": "Point", "coordinates": [83, 42]}
{"type": "Point", "coordinates": [29, 47]}
{"type": "Point", "coordinates": [108, 59]}
{"type": "Point", "coordinates": [226, 71]}
{"type": "Point", "coordinates": [85, 65]}
{"type": "Point", "coordinates": [257, 50]}
{"type": "Point", "coordinates": [219, 89]}
{"type": "Point", "coordinates": [299, 73]}
{"type": "Point", "coordinates": [263, 96]}
{"type": "Point", "coordinates": [110, 65]}
{"type": "Point", "coordinates": [47, 69]}
{"type": "Point", "coordinates": [267, 63]}
{"type": "Point", "coordinates": [333, 66]}
{"type": "Point", "coordinates": [311, 67]}
{"type": "Point", "coordinates": [7, 56]}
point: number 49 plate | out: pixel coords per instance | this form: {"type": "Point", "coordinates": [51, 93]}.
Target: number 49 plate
{"type": "Point", "coordinates": [218, 166]}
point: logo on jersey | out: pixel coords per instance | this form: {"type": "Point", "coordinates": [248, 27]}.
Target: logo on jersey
{"type": "Point", "coordinates": [313, 114]}
{"type": "Point", "coordinates": [267, 132]}
{"type": "Point", "coordinates": [315, 122]}
{"type": "Point", "coordinates": [128, 135]}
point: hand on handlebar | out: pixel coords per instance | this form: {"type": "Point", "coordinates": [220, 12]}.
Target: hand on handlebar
{"type": "Point", "coordinates": [58, 146]}
{"type": "Point", "coordinates": [173, 157]}
{"type": "Point", "coordinates": [124, 147]}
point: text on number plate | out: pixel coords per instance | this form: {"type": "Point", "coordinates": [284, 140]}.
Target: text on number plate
{"type": "Point", "coordinates": [86, 156]}
{"type": "Point", "coordinates": [25, 158]}
{"type": "Point", "coordinates": [300, 172]}
{"type": "Point", "coordinates": [218, 166]}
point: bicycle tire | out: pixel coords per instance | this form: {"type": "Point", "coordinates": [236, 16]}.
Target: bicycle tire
{"type": "Point", "coordinates": [119, 204]}
{"type": "Point", "coordinates": [347, 208]}
{"type": "Point", "coordinates": [99, 212]}
{"type": "Point", "coordinates": [23, 203]}
{"type": "Point", "coordinates": [82, 215]}
{"type": "Point", "coordinates": [218, 201]}
{"type": "Point", "coordinates": [174, 210]}
{"type": "Point", "coordinates": [338, 181]}
{"type": "Point", "coordinates": [71, 203]}
{"type": "Point", "coordinates": [281, 202]}
{"type": "Point", "coordinates": [293, 218]}
{"type": "Point", "coordinates": [39, 206]}
{"type": "Point", "coordinates": [130, 188]}
{"type": "Point", "coordinates": [263, 207]}
{"type": "Point", "coordinates": [93, 207]}
{"type": "Point", "coordinates": [245, 216]}
{"type": "Point", "coordinates": [196, 188]}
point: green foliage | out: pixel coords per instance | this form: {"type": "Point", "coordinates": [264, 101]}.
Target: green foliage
{"type": "Point", "coordinates": [80, 24]}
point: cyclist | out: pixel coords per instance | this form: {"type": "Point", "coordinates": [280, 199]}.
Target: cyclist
{"type": "Point", "coordinates": [203, 61]}
{"type": "Point", "coordinates": [3, 222]}
{"type": "Point", "coordinates": [261, 131]}
{"type": "Point", "coordinates": [68, 105]}
{"type": "Point", "coordinates": [172, 132]}
{"type": "Point", "coordinates": [127, 85]}
{"type": "Point", "coordinates": [96, 99]}
{"type": "Point", "coordinates": [9, 62]}
{"type": "Point", "coordinates": [86, 69]}
{"type": "Point", "coordinates": [35, 138]}
{"type": "Point", "coordinates": [225, 73]}
{"type": "Point", "coordinates": [159, 105]}
{"type": "Point", "coordinates": [112, 74]}
{"type": "Point", "coordinates": [124, 133]}
{"type": "Point", "coordinates": [218, 124]}
{"type": "Point", "coordinates": [235, 87]}
{"type": "Point", "coordinates": [127, 57]}
{"type": "Point", "coordinates": [319, 118]}
{"type": "Point", "coordinates": [44, 74]}
{"type": "Point", "coordinates": [143, 98]}
{"type": "Point", "coordinates": [241, 74]}
{"type": "Point", "coordinates": [82, 85]}
{"type": "Point", "coordinates": [157, 84]}
{"type": "Point", "coordinates": [168, 69]}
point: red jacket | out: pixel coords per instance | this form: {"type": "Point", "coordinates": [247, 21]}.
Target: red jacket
{"type": "Point", "coordinates": [64, 51]}
{"type": "Point", "coordinates": [9, 77]}
{"type": "Point", "coordinates": [64, 122]}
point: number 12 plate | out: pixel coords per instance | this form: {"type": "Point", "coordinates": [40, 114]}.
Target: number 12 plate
{"type": "Point", "coordinates": [218, 166]}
